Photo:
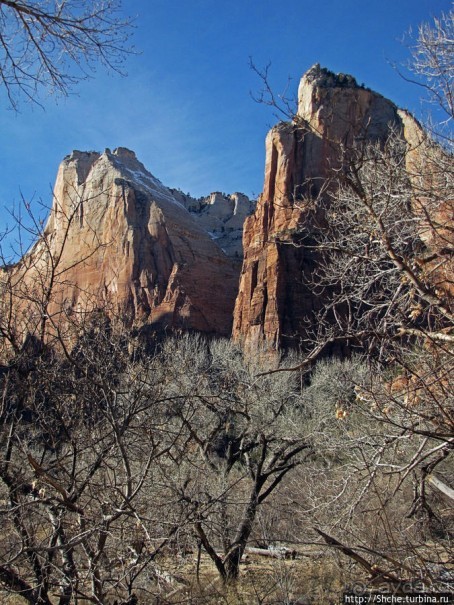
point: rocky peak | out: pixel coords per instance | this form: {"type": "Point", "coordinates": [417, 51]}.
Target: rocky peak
{"type": "Point", "coordinates": [125, 243]}
{"type": "Point", "coordinates": [324, 78]}
{"type": "Point", "coordinates": [242, 204]}
{"type": "Point", "coordinates": [338, 109]}
{"type": "Point", "coordinates": [125, 154]}
{"type": "Point", "coordinates": [222, 216]}
{"type": "Point", "coordinates": [81, 162]}
{"type": "Point", "coordinates": [275, 302]}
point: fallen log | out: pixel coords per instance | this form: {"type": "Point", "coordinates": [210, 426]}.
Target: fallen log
{"type": "Point", "coordinates": [442, 487]}
{"type": "Point", "coordinates": [276, 552]}
{"type": "Point", "coordinates": [376, 573]}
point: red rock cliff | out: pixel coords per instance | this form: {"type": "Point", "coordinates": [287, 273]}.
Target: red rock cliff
{"type": "Point", "coordinates": [275, 301]}
{"type": "Point", "coordinates": [118, 239]}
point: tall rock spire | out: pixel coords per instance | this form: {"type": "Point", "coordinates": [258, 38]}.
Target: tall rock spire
{"type": "Point", "coordinates": [275, 300]}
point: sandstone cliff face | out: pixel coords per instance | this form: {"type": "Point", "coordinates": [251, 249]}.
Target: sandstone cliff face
{"type": "Point", "coordinates": [119, 240]}
{"type": "Point", "coordinates": [275, 300]}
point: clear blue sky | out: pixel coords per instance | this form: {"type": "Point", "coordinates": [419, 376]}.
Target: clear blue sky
{"type": "Point", "coordinates": [185, 107]}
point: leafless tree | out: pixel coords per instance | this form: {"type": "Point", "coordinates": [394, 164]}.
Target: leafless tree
{"type": "Point", "coordinates": [367, 493]}
{"type": "Point", "coordinates": [81, 439]}
{"type": "Point", "coordinates": [385, 266]}
{"type": "Point", "coordinates": [35, 274]}
{"type": "Point", "coordinates": [111, 455]}
{"type": "Point", "coordinates": [433, 62]}
{"type": "Point", "coordinates": [50, 46]}
{"type": "Point", "coordinates": [81, 430]}
{"type": "Point", "coordinates": [239, 444]}
{"type": "Point", "coordinates": [382, 238]}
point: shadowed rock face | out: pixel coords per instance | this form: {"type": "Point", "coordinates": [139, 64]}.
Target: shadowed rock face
{"type": "Point", "coordinates": [275, 301]}
{"type": "Point", "coordinates": [123, 242]}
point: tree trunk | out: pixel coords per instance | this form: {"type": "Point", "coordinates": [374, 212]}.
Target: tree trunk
{"type": "Point", "coordinates": [233, 557]}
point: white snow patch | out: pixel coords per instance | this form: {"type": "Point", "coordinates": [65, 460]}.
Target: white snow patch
{"type": "Point", "coordinates": [215, 235]}
{"type": "Point", "coordinates": [146, 181]}
{"type": "Point", "coordinates": [152, 185]}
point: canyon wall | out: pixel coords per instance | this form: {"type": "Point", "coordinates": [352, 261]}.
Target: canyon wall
{"type": "Point", "coordinates": [118, 239]}
{"type": "Point", "coordinates": [276, 302]}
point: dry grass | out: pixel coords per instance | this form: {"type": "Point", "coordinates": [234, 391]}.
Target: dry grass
{"type": "Point", "coordinates": [312, 580]}
{"type": "Point", "coordinates": [307, 581]}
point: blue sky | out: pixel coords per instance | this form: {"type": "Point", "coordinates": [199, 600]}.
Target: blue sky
{"type": "Point", "coordinates": [185, 107]}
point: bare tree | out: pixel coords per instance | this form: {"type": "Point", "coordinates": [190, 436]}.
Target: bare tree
{"type": "Point", "coordinates": [32, 288]}
{"type": "Point", "coordinates": [382, 238]}
{"type": "Point", "coordinates": [50, 46]}
{"type": "Point", "coordinates": [81, 430]}
{"type": "Point", "coordinates": [433, 61]}
{"type": "Point", "coordinates": [385, 264]}
{"type": "Point", "coordinates": [366, 492]}
{"type": "Point", "coordinates": [239, 442]}
{"type": "Point", "coordinates": [81, 439]}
